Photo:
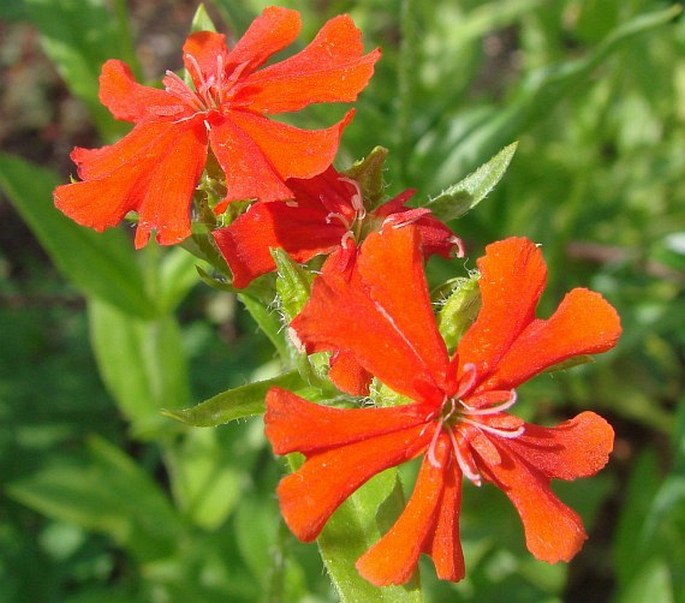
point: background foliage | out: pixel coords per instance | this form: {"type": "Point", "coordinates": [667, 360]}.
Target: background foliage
{"type": "Point", "coordinates": [103, 498]}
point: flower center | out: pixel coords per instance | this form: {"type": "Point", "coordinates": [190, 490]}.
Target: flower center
{"type": "Point", "coordinates": [212, 88]}
{"type": "Point", "coordinates": [353, 223]}
{"type": "Point", "coordinates": [462, 422]}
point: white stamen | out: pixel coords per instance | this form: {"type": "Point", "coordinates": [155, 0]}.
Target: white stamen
{"type": "Point", "coordinates": [502, 433]}
{"type": "Point", "coordinates": [492, 410]}
{"type": "Point", "coordinates": [357, 200]}
{"type": "Point", "coordinates": [459, 244]}
{"type": "Point", "coordinates": [336, 216]}
{"type": "Point", "coordinates": [467, 470]}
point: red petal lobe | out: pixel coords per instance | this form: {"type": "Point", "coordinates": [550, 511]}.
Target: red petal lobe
{"type": "Point", "coordinates": [579, 447]}
{"type": "Point", "coordinates": [130, 101]}
{"type": "Point", "coordinates": [513, 276]}
{"type": "Point", "coordinates": [301, 231]}
{"type": "Point", "coordinates": [294, 424]}
{"type": "Point", "coordinates": [269, 33]}
{"type": "Point", "coordinates": [393, 559]}
{"type": "Point", "coordinates": [584, 323]}
{"type": "Point", "coordinates": [330, 69]}
{"type": "Point", "coordinates": [554, 532]}
{"type": "Point", "coordinates": [309, 496]}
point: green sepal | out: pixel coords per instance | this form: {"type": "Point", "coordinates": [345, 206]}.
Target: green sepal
{"type": "Point", "coordinates": [293, 283]}
{"type": "Point", "coordinates": [368, 172]}
{"type": "Point", "coordinates": [238, 403]}
{"type": "Point", "coordinates": [202, 21]}
{"type": "Point", "coordinates": [460, 198]}
{"type": "Point", "coordinates": [459, 309]}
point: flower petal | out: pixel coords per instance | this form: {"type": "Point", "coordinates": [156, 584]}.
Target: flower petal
{"type": "Point", "coordinates": [513, 276]}
{"type": "Point", "coordinates": [130, 101]}
{"type": "Point", "coordinates": [145, 143]}
{"type": "Point", "coordinates": [329, 190]}
{"type": "Point", "coordinates": [444, 544]}
{"type": "Point", "coordinates": [576, 448]}
{"type": "Point", "coordinates": [165, 207]}
{"type": "Point", "coordinates": [554, 532]}
{"type": "Point", "coordinates": [309, 496]}
{"type": "Point", "coordinates": [294, 153]}
{"type": "Point", "coordinates": [294, 424]}
{"type": "Point", "coordinates": [391, 266]}
{"type": "Point", "coordinates": [249, 173]}
{"type": "Point", "coordinates": [257, 154]}
{"type": "Point", "coordinates": [348, 375]}
{"type": "Point", "coordinates": [269, 33]}
{"type": "Point", "coordinates": [393, 559]}
{"type": "Point", "coordinates": [584, 323]}
{"type": "Point", "coordinates": [342, 315]}
{"type": "Point", "coordinates": [301, 231]}
{"type": "Point", "coordinates": [139, 173]}
{"type": "Point", "coordinates": [330, 69]}
{"type": "Point", "coordinates": [206, 59]}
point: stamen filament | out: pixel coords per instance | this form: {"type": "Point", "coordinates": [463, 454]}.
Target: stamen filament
{"type": "Point", "coordinates": [503, 433]}
{"type": "Point", "coordinates": [492, 410]}
{"type": "Point", "coordinates": [470, 472]}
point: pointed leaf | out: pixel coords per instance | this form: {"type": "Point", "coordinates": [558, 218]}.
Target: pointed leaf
{"type": "Point", "coordinates": [202, 21]}
{"type": "Point", "coordinates": [462, 197]}
{"type": "Point", "coordinates": [79, 36]}
{"type": "Point", "coordinates": [142, 363]}
{"type": "Point", "coordinates": [108, 492]}
{"type": "Point", "coordinates": [103, 265]}
{"type": "Point", "coordinates": [238, 403]}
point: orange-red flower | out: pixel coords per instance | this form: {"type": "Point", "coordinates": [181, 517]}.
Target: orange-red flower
{"type": "Point", "coordinates": [155, 168]}
{"type": "Point", "coordinates": [327, 213]}
{"type": "Point", "coordinates": [381, 314]}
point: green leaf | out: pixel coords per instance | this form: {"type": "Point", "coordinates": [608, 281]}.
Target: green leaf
{"type": "Point", "coordinates": [202, 21]}
{"type": "Point", "coordinates": [103, 265]}
{"type": "Point", "coordinates": [293, 284]}
{"type": "Point", "coordinates": [178, 274]}
{"type": "Point", "coordinates": [107, 492]}
{"type": "Point", "coordinates": [535, 99]}
{"type": "Point", "coordinates": [142, 363]}
{"type": "Point", "coordinates": [238, 403]}
{"type": "Point", "coordinates": [79, 36]}
{"type": "Point", "coordinates": [358, 524]}
{"type": "Point", "coordinates": [652, 582]}
{"type": "Point", "coordinates": [460, 198]}
{"type": "Point", "coordinates": [209, 470]}
{"type": "Point", "coordinates": [459, 310]}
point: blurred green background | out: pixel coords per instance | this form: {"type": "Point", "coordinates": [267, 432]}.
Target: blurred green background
{"type": "Point", "coordinates": [103, 499]}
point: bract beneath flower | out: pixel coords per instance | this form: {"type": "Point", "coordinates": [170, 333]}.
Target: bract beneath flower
{"type": "Point", "coordinates": [381, 316]}
{"type": "Point", "coordinates": [156, 167]}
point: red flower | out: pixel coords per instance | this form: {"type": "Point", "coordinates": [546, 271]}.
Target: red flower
{"type": "Point", "coordinates": [155, 168]}
{"type": "Point", "coordinates": [327, 213]}
{"type": "Point", "coordinates": [382, 316]}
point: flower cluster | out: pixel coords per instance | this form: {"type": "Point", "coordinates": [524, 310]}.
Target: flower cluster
{"type": "Point", "coordinates": [369, 307]}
